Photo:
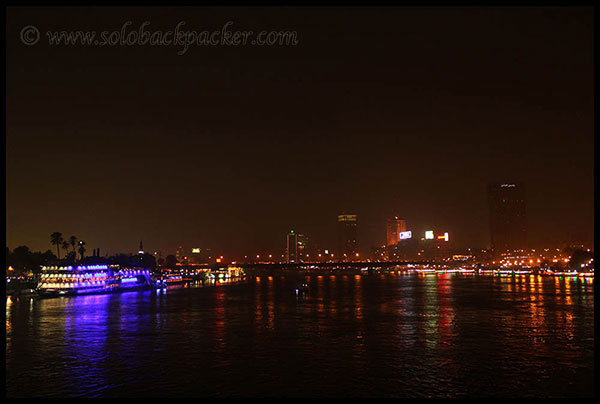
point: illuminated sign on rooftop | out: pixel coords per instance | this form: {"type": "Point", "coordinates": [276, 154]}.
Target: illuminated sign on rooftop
{"type": "Point", "coordinates": [429, 235]}
{"type": "Point", "coordinates": [405, 235]}
{"type": "Point", "coordinates": [346, 218]}
{"type": "Point", "coordinates": [88, 267]}
{"type": "Point", "coordinates": [78, 268]}
{"type": "Point", "coordinates": [443, 237]}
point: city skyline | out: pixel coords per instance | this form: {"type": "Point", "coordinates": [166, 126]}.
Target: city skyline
{"type": "Point", "coordinates": [385, 234]}
{"type": "Point", "coordinates": [205, 150]}
{"type": "Point", "coordinates": [395, 228]}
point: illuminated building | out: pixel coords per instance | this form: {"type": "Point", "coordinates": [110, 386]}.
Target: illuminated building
{"type": "Point", "coordinates": [303, 248]}
{"type": "Point", "coordinates": [508, 227]}
{"type": "Point", "coordinates": [180, 255]}
{"type": "Point", "coordinates": [442, 247]}
{"type": "Point", "coordinates": [291, 250]}
{"type": "Point", "coordinates": [407, 248]}
{"type": "Point", "coordinates": [347, 237]}
{"type": "Point", "coordinates": [515, 257]}
{"type": "Point", "coordinates": [394, 227]}
{"type": "Point", "coordinates": [435, 247]}
{"type": "Point", "coordinates": [197, 256]}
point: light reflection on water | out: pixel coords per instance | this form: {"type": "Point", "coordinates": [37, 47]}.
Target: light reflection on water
{"type": "Point", "coordinates": [351, 335]}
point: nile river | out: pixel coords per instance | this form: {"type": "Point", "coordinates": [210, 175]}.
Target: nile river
{"type": "Point", "coordinates": [378, 335]}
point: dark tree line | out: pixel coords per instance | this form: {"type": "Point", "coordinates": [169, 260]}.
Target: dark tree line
{"type": "Point", "coordinates": [24, 260]}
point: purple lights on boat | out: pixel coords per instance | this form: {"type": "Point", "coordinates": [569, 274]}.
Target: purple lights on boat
{"type": "Point", "coordinates": [92, 279]}
{"type": "Point", "coordinates": [89, 267]}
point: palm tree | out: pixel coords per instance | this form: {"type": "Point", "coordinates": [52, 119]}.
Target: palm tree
{"type": "Point", "coordinates": [65, 246]}
{"type": "Point", "coordinates": [56, 239]}
{"type": "Point", "coordinates": [73, 242]}
{"type": "Point", "coordinates": [81, 248]}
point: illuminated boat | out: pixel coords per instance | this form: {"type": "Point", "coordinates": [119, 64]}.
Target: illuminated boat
{"type": "Point", "coordinates": [302, 289]}
{"type": "Point", "coordinates": [91, 279]}
{"type": "Point", "coordinates": [172, 279]}
{"type": "Point", "coordinates": [237, 272]}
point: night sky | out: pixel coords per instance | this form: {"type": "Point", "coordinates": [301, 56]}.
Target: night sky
{"type": "Point", "coordinates": [407, 111]}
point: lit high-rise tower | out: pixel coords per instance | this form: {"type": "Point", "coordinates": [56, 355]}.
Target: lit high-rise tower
{"type": "Point", "coordinates": [291, 250]}
{"type": "Point", "coordinates": [508, 226]}
{"type": "Point", "coordinates": [347, 237]}
{"type": "Point", "coordinates": [394, 227]}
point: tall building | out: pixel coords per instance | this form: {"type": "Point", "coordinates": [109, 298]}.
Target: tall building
{"type": "Point", "coordinates": [304, 248]}
{"type": "Point", "coordinates": [291, 250]}
{"type": "Point", "coordinates": [180, 255]}
{"type": "Point", "coordinates": [347, 237]}
{"type": "Point", "coordinates": [508, 226]}
{"type": "Point", "coordinates": [394, 227]}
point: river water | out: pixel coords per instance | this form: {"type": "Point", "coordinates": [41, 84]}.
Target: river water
{"type": "Point", "coordinates": [377, 335]}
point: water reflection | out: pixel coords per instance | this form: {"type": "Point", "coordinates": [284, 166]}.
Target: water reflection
{"type": "Point", "coordinates": [398, 334]}
{"type": "Point", "coordinates": [406, 328]}
{"type": "Point", "coordinates": [446, 310]}
{"type": "Point", "coordinates": [87, 323]}
{"type": "Point", "coordinates": [537, 311]}
{"type": "Point", "coordinates": [429, 314]}
{"type": "Point", "coordinates": [358, 298]}
{"type": "Point", "coordinates": [219, 323]}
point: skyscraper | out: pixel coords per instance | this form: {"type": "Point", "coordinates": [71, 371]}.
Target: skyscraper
{"type": "Point", "coordinates": [180, 255]}
{"type": "Point", "coordinates": [303, 247]}
{"type": "Point", "coordinates": [508, 226]}
{"type": "Point", "coordinates": [291, 250]}
{"type": "Point", "coordinates": [394, 227]}
{"type": "Point", "coordinates": [347, 239]}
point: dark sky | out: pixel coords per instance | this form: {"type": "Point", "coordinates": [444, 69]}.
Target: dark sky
{"type": "Point", "coordinates": [375, 111]}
